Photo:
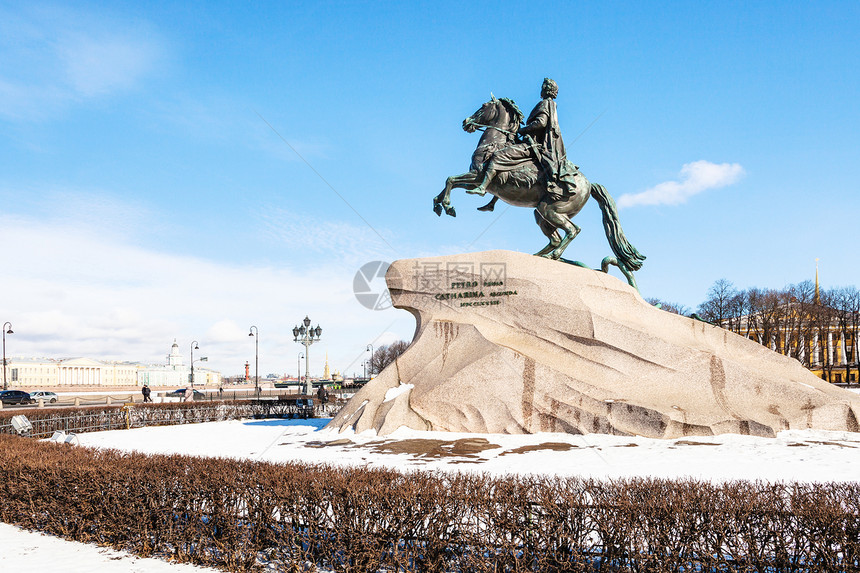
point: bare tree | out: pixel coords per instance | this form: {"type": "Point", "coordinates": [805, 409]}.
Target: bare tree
{"type": "Point", "coordinates": [718, 307]}
{"type": "Point", "coordinates": [845, 302]}
{"type": "Point", "coordinates": [739, 306]}
{"type": "Point", "coordinates": [800, 326]}
{"type": "Point", "coordinates": [754, 298]}
{"type": "Point", "coordinates": [385, 355]}
{"type": "Point", "coordinates": [764, 313]}
{"type": "Point", "coordinates": [822, 320]}
{"type": "Point", "coordinates": [792, 321]}
{"type": "Point", "coordinates": [853, 301]}
{"type": "Point", "coordinates": [673, 307]}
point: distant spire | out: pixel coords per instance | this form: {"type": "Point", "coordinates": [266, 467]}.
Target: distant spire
{"type": "Point", "coordinates": [817, 291]}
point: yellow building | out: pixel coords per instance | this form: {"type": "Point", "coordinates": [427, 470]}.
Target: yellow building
{"type": "Point", "coordinates": [821, 337]}
{"type": "Point", "coordinates": [38, 372]}
{"type": "Point", "coordinates": [32, 373]}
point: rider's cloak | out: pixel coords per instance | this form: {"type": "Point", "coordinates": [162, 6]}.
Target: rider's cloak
{"type": "Point", "coordinates": [542, 126]}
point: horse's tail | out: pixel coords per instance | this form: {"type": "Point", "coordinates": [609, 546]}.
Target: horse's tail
{"type": "Point", "coordinates": [624, 251]}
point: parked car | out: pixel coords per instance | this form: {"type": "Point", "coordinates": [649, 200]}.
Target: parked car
{"type": "Point", "coordinates": [15, 397]}
{"type": "Point", "coordinates": [49, 397]}
{"type": "Point", "coordinates": [180, 393]}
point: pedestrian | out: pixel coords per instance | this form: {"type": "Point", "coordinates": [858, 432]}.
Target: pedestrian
{"type": "Point", "coordinates": [146, 392]}
{"type": "Point", "coordinates": [322, 394]}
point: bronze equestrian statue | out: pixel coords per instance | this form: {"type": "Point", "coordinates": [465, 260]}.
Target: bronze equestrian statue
{"type": "Point", "coordinates": [527, 166]}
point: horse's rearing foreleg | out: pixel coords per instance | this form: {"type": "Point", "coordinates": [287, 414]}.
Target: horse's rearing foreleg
{"type": "Point", "coordinates": [443, 199]}
{"type": "Point", "coordinates": [438, 203]}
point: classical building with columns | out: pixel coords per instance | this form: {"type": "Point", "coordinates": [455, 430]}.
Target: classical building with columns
{"type": "Point", "coordinates": [38, 372]}
{"type": "Point", "coordinates": [817, 336]}
{"type": "Point", "coordinates": [33, 373]}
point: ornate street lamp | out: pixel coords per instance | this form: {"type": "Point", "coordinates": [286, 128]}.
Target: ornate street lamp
{"type": "Point", "coordinates": [7, 329]}
{"type": "Point", "coordinates": [306, 335]}
{"type": "Point", "coordinates": [256, 334]}
{"type": "Point", "coordinates": [299, 368]}
{"type": "Point", "coordinates": [370, 362]}
{"type": "Point", "coordinates": [193, 348]}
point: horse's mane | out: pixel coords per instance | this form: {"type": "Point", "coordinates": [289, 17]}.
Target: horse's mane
{"type": "Point", "coordinates": [516, 113]}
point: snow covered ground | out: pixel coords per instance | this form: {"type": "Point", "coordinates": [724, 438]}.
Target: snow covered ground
{"type": "Point", "coordinates": [24, 551]}
{"type": "Point", "coordinates": [796, 455]}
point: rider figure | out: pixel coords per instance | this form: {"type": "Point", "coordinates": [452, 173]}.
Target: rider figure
{"type": "Point", "coordinates": [542, 142]}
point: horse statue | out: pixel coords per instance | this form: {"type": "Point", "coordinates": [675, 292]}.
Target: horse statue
{"type": "Point", "coordinates": [499, 120]}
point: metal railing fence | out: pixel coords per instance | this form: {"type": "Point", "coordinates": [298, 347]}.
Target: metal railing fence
{"type": "Point", "coordinates": [139, 416]}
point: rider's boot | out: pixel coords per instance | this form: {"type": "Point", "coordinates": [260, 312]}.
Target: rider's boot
{"type": "Point", "coordinates": [481, 189]}
{"type": "Point", "coordinates": [489, 206]}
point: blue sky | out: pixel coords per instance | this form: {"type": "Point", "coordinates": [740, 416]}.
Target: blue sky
{"type": "Point", "coordinates": [185, 170]}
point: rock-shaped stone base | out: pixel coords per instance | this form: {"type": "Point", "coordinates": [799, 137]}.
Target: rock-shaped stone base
{"type": "Point", "coordinates": [513, 343]}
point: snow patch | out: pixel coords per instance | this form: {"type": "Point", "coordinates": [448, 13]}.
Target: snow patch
{"type": "Point", "coordinates": [393, 393]}
{"type": "Point", "coordinates": [794, 455]}
{"type": "Point", "coordinates": [23, 550]}
{"type": "Point", "coordinates": [357, 410]}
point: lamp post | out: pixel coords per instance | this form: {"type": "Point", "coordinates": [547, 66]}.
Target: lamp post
{"type": "Point", "coordinates": [370, 347]}
{"type": "Point", "coordinates": [299, 368]}
{"type": "Point", "coordinates": [7, 329]}
{"type": "Point", "coordinates": [256, 334]}
{"type": "Point", "coordinates": [193, 348]}
{"type": "Point", "coordinates": [308, 336]}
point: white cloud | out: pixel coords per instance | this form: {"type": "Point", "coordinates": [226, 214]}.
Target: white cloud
{"type": "Point", "coordinates": [694, 178]}
{"type": "Point", "coordinates": [69, 291]}
{"type": "Point", "coordinates": [335, 239]}
{"type": "Point", "coordinates": [98, 63]}
{"type": "Point", "coordinates": [226, 331]}
{"type": "Point", "coordinates": [56, 58]}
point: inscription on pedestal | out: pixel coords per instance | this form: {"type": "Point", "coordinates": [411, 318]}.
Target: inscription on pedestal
{"type": "Point", "coordinates": [458, 291]}
{"type": "Point", "coordinates": [464, 284]}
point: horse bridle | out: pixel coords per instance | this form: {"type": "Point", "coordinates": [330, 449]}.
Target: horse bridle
{"type": "Point", "coordinates": [494, 127]}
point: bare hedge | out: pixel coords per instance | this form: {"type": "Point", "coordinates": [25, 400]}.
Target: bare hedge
{"type": "Point", "coordinates": [238, 515]}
